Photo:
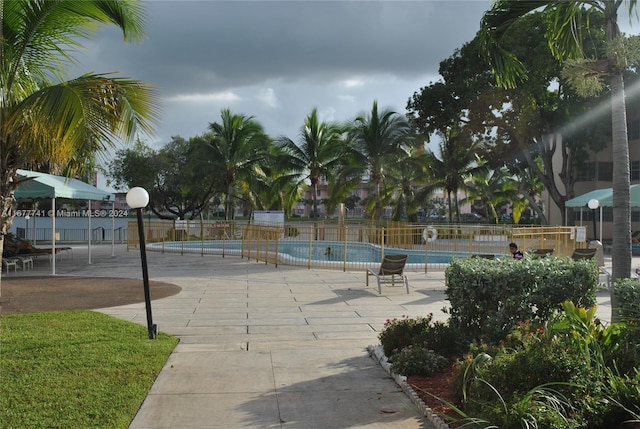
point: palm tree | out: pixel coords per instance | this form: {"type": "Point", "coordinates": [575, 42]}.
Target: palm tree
{"type": "Point", "coordinates": [316, 155]}
{"type": "Point", "coordinates": [400, 190]}
{"type": "Point", "coordinates": [458, 157]}
{"type": "Point", "coordinates": [493, 187]}
{"type": "Point", "coordinates": [378, 141]}
{"type": "Point", "coordinates": [46, 119]}
{"type": "Point", "coordinates": [568, 20]}
{"type": "Point", "coordinates": [239, 145]}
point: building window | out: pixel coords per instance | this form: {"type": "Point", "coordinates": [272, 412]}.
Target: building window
{"type": "Point", "coordinates": [605, 171]}
{"type": "Point", "coordinates": [587, 173]}
{"type": "Point", "coordinates": [635, 170]}
{"type": "Point", "coordinates": [634, 129]}
{"type": "Point", "coordinates": [596, 171]}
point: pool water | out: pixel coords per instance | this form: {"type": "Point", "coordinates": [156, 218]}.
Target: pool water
{"type": "Point", "coordinates": [355, 252]}
{"type": "Point", "coordinates": [359, 252]}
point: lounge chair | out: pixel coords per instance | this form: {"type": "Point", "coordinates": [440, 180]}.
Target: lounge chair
{"type": "Point", "coordinates": [584, 253]}
{"type": "Point", "coordinates": [483, 256]}
{"type": "Point", "coordinates": [10, 262]}
{"type": "Point", "coordinates": [18, 247]}
{"type": "Point", "coordinates": [541, 252]}
{"type": "Point", "coordinates": [391, 266]}
{"type": "Point", "coordinates": [590, 253]}
{"type": "Point", "coordinates": [25, 261]}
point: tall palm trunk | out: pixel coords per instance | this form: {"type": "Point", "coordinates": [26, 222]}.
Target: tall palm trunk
{"type": "Point", "coordinates": [620, 250]}
{"type": "Point", "coordinates": [315, 198]}
{"type": "Point", "coordinates": [228, 204]}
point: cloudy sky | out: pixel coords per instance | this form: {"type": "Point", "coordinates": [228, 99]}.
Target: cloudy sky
{"type": "Point", "coordinates": [276, 60]}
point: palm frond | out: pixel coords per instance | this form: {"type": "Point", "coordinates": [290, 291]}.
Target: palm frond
{"type": "Point", "coordinates": [83, 115]}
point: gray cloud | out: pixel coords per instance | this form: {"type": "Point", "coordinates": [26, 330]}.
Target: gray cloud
{"type": "Point", "coordinates": [276, 60]}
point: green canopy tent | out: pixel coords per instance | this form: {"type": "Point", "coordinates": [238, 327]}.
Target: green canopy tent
{"type": "Point", "coordinates": [35, 185]}
{"type": "Point", "coordinates": [583, 200]}
{"type": "Point", "coordinates": [604, 198]}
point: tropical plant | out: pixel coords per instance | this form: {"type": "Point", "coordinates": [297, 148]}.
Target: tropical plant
{"type": "Point", "coordinates": [569, 20]}
{"type": "Point", "coordinates": [378, 140]}
{"type": "Point", "coordinates": [317, 153]}
{"type": "Point", "coordinates": [418, 360]}
{"type": "Point", "coordinates": [493, 187]}
{"type": "Point", "coordinates": [45, 118]}
{"type": "Point", "coordinates": [400, 190]}
{"type": "Point", "coordinates": [457, 159]}
{"type": "Point", "coordinates": [239, 145]}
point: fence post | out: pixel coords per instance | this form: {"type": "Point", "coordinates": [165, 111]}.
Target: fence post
{"type": "Point", "coordinates": [344, 259]}
{"type": "Point", "coordinates": [311, 232]}
{"type": "Point", "coordinates": [277, 248]}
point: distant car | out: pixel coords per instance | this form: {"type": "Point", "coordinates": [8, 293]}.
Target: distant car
{"type": "Point", "coordinates": [470, 217]}
{"type": "Point", "coordinates": [435, 216]}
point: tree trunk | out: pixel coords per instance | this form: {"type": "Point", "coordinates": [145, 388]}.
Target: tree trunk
{"type": "Point", "coordinates": [228, 206]}
{"type": "Point", "coordinates": [315, 199]}
{"type": "Point", "coordinates": [621, 248]}
{"type": "Point", "coordinates": [7, 208]}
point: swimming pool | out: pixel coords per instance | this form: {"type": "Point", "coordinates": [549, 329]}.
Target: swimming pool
{"type": "Point", "coordinates": [297, 251]}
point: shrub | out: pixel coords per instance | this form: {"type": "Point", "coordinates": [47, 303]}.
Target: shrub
{"type": "Point", "coordinates": [418, 360]}
{"type": "Point", "coordinates": [488, 297]}
{"type": "Point", "coordinates": [552, 377]}
{"type": "Point", "coordinates": [404, 332]}
{"type": "Point", "coordinates": [627, 293]}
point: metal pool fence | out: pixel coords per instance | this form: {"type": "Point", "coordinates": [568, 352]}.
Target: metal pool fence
{"type": "Point", "coordinates": [351, 246]}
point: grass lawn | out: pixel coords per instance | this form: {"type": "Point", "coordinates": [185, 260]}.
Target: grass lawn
{"type": "Point", "coordinates": [75, 369]}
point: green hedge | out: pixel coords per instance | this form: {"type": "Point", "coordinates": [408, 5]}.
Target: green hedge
{"type": "Point", "coordinates": [627, 293]}
{"type": "Point", "coordinates": [489, 297]}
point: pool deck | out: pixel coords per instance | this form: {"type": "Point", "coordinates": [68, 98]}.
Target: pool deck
{"type": "Point", "coordinates": [268, 347]}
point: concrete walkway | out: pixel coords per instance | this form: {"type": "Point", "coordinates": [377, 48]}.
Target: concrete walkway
{"type": "Point", "coordinates": [267, 347]}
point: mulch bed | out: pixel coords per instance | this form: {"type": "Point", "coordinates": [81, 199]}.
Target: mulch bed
{"type": "Point", "coordinates": [426, 387]}
{"type": "Point", "coordinates": [22, 295]}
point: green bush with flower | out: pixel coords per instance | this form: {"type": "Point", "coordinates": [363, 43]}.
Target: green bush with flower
{"type": "Point", "coordinates": [556, 368]}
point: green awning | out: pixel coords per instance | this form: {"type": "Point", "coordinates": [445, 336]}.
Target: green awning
{"type": "Point", "coordinates": [604, 197]}
{"type": "Point", "coordinates": [43, 185]}
{"type": "Point", "coordinates": [583, 200]}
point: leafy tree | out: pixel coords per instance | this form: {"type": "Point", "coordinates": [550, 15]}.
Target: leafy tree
{"type": "Point", "coordinates": [315, 155]}
{"type": "Point", "coordinates": [457, 158]}
{"type": "Point", "coordinates": [527, 123]}
{"type": "Point", "coordinates": [271, 187]}
{"type": "Point", "coordinates": [47, 119]}
{"type": "Point", "coordinates": [530, 188]}
{"type": "Point", "coordinates": [179, 178]}
{"type": "Point", "coordinates": [133, 166]}
{"type": "Point", "coordinates": [239, 145]}
{"type": "Point", "coordinates": [378, 140]}
{"type": "Point", "coordinates": [493, 187]}
{"type": "Point", "coordinates": [569, 20]}
{"type": "Point", "coordinates": [400, 188]}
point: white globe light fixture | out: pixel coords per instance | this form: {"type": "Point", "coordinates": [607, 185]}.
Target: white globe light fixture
{"type": "Point", "coordinates": [593, 204]}
{"type": "Point", "coordinates": [138, 198]}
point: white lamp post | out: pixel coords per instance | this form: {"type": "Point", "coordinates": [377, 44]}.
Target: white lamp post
{"type": "Point", "coordinates": [26, 226]}
{"type": "Point", "coordinates": [138, 198]}
{"type": "Point", "coordinates": [593, 205]}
